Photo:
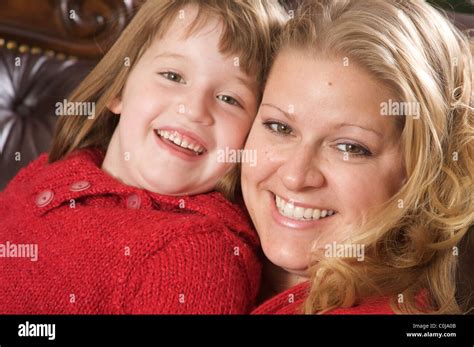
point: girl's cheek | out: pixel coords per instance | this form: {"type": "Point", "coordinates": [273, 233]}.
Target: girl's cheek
{"type": "Point", "coordinates": [231, 135]}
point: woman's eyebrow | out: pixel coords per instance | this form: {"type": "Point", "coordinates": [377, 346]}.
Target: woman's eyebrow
{"type": "Point", "coordinates": [291, 116]}
{"type": "Point", "coordinates": [341, 125]}
{"type": "Point", "coordinates": [288, 115]}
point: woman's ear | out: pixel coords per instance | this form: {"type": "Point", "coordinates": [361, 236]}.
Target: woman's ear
{"type": "Point", "coordinates": [115, 105]}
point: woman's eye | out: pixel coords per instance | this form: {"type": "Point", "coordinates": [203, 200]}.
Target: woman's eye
{"type": "Point", "coordinates": [353, 149]}
{"type": "Point", "coordinates": [172, 76]}
{"type": "Point", "coordinates": [279, 128]}
{"type": "Point", "coordinates": [229, 100]}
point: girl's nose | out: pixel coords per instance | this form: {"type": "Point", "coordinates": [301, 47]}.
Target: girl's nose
{"type": "Point", "coordinates": [300, 170]}
{"type": "Point", "coordinates": [197, 108]}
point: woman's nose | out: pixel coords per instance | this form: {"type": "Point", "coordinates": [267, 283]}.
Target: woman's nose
{"type": "Point", "coordinates": [196, 107]}
{"type": "Point", "coordinates": [300, 170]}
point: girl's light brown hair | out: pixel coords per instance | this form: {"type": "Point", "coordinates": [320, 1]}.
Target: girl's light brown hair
{"type": "Point", "coordinates": [249, 28]}
{"type": "Point", "coordinates": [410, 242]}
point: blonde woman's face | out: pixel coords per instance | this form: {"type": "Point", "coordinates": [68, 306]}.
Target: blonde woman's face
{"type": "Point", "coordinates": [323, 149]}
{"type": "Point", "coordinates": [182, 105]}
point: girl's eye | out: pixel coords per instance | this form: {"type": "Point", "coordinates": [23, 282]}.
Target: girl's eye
{"type": "Point", "coordinates": [172, 76]}
{"type": "Point", "coordinates": [229, 100]}
{"type": "Point", "coordinates": [278, 127]}
{"type": "Point", "coordinates": [353, 149]}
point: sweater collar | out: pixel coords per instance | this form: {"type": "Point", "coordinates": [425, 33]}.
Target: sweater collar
{"type": "Point", "coordinates": [80, 175]}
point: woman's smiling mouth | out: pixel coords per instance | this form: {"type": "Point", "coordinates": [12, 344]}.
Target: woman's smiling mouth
{"type": "Point", "coordinates": [293, 211]}
{"type": "Point", "coordinates": [299, 216]}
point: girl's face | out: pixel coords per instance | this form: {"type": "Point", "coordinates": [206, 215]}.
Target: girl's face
{"type": "Point", "coordinates": [182, 103]}
{"type": "Point", "coordinates": [323, 149]}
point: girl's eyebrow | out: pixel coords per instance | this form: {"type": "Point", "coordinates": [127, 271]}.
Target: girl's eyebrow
{"type": "Point", "coordinates": [170, 55]}
{"type": "Point", "coordinates": [245, 82]}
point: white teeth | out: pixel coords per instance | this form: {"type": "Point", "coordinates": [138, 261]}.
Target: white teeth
{"type": "Point", "coordinates": [278, 201]}
{"type": "Point", "coordinates": [316, 214]}
{"type": "Point", "coordinates": [308, 213]}
{"type": "Point", "coordinates": [178, 140]}
{"type": "Point", "coordinates": [287, 209]}
{"type": "Point", "coordinates": [299, 212]}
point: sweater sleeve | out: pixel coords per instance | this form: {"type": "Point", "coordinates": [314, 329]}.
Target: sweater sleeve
{"type": "Point", "coordinates": [200, 273]}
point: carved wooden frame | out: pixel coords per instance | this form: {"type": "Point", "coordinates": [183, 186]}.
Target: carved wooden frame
{"type": "Point", "coordinates": [78, 28]}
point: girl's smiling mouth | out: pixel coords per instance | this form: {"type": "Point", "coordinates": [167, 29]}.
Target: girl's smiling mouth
{"type": "Point", "coordinates": [180, 143]}
{"type": "Point", "coordinates": [181, 140]}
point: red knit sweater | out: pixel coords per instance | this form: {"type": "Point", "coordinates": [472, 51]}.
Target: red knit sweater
{"type": "Point", "coordinates": [291, 301]}
{"type": "Point", "coordinates": [107, 248]}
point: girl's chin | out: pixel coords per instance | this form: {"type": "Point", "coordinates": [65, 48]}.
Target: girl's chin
{"type": "Point", "coordinates": [170, 189]}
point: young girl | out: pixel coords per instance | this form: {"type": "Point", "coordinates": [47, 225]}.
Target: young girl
{"type": "Point", "coordinates": [130, 211]}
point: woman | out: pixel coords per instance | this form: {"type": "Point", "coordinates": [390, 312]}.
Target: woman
{"type": "Point", "coordinates": [363, 183]}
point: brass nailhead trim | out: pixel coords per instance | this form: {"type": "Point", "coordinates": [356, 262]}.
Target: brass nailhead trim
{"type": "Point", "coordinates": [11, 45]}
{"type": "Point", "coordinates": [23, 48]}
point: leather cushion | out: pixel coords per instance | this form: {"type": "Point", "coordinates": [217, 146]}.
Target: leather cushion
{"type": "Point", "coordinates": [28, 94]}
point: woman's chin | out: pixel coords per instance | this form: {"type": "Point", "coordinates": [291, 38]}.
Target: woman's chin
{"type": "Point", "coordinates": [300, 272]}
{"type": "Point", "coordinates": [290, 261]}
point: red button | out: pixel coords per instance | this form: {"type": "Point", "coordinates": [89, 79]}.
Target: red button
{"type": "Point", "coordinates": [134, 201]}
{"type": "Point", "coordinates": [44, 198]}
{"type": "Point", "coordinates": [79, 186]}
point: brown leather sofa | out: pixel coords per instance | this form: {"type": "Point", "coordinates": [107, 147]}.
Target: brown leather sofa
{"type": "Point", "coordinates": [47, 47]}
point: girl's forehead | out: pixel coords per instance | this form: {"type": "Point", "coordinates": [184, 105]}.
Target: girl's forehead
{"type": "Point", "coordinates": [190, 21]}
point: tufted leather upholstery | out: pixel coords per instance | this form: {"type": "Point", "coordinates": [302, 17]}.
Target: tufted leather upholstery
{"type": "Point", "coordinates": [28, 94]}
{"type": "Point", "coordinates": [29, 90]}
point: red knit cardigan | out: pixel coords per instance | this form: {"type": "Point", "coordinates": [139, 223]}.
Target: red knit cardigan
{"type": "Point", "coordinates": [107, 248]}
{"type": "Point", "coordinates": [291, 301]}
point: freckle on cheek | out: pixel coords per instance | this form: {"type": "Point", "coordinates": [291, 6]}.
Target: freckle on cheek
{"type": "Point", "coordinates": [329, 83]}
{"type": "Point", "coordinates": [272, 156]}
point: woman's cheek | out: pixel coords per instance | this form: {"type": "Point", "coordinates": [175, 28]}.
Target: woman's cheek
{"type": "Point", "coordinates": [359, 190]}
{"type": "Point", "coordinates": [272, 154]}
{"type": "Point", "coordinates": [270, 147]}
